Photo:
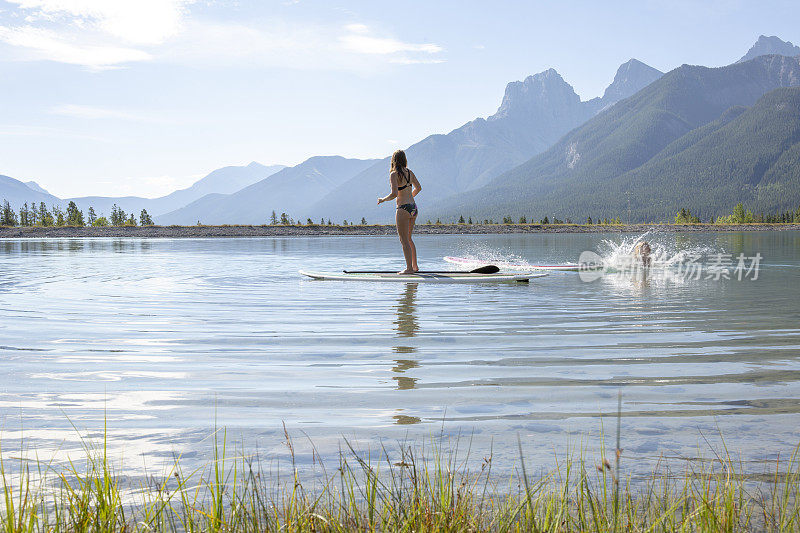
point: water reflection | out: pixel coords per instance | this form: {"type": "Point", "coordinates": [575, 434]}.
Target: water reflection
{"type": "Point", "coordinates": [72, 246]}
{"type": "Point", "coordinates": [406, 420]}
{"type": "Point", "coordinates": [404, 382]}
{"type": "Point", "coordinates": [407, 325]}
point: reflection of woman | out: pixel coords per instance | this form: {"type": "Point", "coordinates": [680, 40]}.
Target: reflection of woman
{"type": "Point", "coordinates": [407, 325]}
{"type": "Point", "coordinates": [404, 187]}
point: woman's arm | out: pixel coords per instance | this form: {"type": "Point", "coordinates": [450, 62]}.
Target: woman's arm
{"type": "Point", "coordinates": [415, 186]}
{"type": "Point", "coordinates": [392, 195]}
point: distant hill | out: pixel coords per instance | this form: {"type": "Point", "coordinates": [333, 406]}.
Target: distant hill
{"type": "Point", "coordinates": [291, 190]}
{"type": "Point", "coordinates": [18, 193]}
{"type": "Point", "coordinates": [534, 113]}
{"type": "Point", "coordinates": [32, 185]}
{"type": "Point", "coordinates": [584, 173]}
{"type": "Point", "coordinates": [770, 46]}
{"type": "Point", "coordinates": [224, 180]}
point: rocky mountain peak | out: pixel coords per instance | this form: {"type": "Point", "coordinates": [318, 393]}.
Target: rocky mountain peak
{"type": "Point", "coordinates": [769, 46]}
{"type": "Point", "coordinates": [536, 93]}
{"type": "Point", "coordinates": [631, 77]}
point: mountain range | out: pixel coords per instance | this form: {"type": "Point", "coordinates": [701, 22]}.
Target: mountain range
{"type": "Point", "coordinates": [629, 152]}
{"type": "Point", "coordinates": [221, 181]}
{"type": "Point", "coordinates": [290, 190]}
{"type": "Point", "coordinates": [533, 114]}
{"type": "Point", "coordinates": [622, 160]}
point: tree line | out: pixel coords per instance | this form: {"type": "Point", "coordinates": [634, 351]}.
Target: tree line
{"type": "Point", "coordinates": [34, 214]}
{"type": "Point", "coordinates": [741, 215]}
{"type": "Point", "coordinates": [40, 215]}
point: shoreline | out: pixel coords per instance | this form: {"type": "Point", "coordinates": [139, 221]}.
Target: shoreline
{"type": "Point", "coordinates": [227, 231]}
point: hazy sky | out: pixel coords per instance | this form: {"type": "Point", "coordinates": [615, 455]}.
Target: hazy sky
{"type": "Point", "coordinates": [118, 97]}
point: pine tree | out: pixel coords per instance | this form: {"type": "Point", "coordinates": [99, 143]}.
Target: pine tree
{"type": "Point", "coordinates": [74, 215]}
{"type": "Point", "coordinates": [273, 218]}
{"type": "Point", "coordinates": [91, 216]}
{"type": "Point", "coordinates": [118, 216]}
{"type": "Point", "coordinates": [131, 221]}
{"type": "Point", "coordinates": [523, 220]}
{"type": "Point", "coordinates": [58, 216]}
{"type": "Point", "coordinates": [23, 215]}
{"type": "Point", "coordinates": [145, 219]}
{"type": "Point", "coordinates": [45, 218]}
{"type": "Point", "coordinates": [363, 221]}
{"type": "Point", "coordinates": [461, 219]}
{"type": "Point", "coordinates": [285, 220]}
{"type": "Point", "coordinates": [469, 221]}
{"type": "Point", "coordinates": [7, 215]}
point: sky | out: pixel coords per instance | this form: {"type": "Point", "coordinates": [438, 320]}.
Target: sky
{"type": "Point", "coordinates": [142, 97]}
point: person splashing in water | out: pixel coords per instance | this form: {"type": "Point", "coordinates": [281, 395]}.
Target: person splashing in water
{"type": "Point", "coordinates": [405, 187]}
{"type": "Point", "coordinates": [641, 252]}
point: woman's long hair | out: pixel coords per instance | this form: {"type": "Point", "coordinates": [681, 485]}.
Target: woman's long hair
{"type": "Point", "coordinates": [400, 163]}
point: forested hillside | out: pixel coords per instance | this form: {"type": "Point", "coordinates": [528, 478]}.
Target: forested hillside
{"type": "Point", "coordinates": [589, 171]}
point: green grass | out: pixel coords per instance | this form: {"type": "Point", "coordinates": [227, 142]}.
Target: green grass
{"type": "Point", "coordinates": [428, 487]}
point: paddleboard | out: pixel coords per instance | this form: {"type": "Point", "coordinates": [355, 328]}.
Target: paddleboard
{"type": "Point", "coordinates": [466, 262]}
{"type": "Point", "coordinates": [428, 277]}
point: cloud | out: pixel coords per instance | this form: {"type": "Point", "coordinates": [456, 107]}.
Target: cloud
{"type": "Point", "coordinates": [46, 44]}
{"type": "Point", "coordinates": [358, 39]}
{"type": "Point", "coordinates": [98, 34]}
{"type": "Point", "coordinates": [105, 34]}
{"type": "Point", "coordinates": [134, 21]}
{"type": "Point", "coordinates": [306, 46]}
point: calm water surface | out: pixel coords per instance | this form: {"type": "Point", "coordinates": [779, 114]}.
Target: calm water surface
{"type": "Point", "coordinates": [165, 338]}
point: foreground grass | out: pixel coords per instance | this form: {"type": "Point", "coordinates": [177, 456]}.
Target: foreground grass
{"type": "Point", "coordinates": [418, 489]}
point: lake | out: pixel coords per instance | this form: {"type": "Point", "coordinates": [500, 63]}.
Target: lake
{"type": "Point", "coordinates": [164, 340]}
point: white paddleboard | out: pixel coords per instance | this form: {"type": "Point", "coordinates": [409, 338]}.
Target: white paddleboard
{"type": "Point", "coordinates": [466, 262]}
{"type": "Point", "coordinates": [460, 277]}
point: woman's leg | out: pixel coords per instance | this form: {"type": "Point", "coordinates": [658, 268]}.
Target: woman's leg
{"type": "Point", "coordinates": [411, 223]}
{"type": "Point", "coordinates": [403, 219]}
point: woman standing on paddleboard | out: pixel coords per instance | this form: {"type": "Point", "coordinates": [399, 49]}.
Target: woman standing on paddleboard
{"type": "Point", "coordinates": [404, 187]}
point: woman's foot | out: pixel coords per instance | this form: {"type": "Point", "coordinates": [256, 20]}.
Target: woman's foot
{"type": "Point", "coordinates": [416, 269]}
{"type": "Point", "coordinates": [406, 271]}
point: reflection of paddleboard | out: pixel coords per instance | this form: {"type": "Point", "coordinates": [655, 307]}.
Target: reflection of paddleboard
{"type": "Point", "coordinates": [428, 277]}
{"type": "Point", "coordinates": [515, 266]}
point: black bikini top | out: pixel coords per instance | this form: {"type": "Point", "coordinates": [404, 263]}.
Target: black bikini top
{"type": "Point", "coordinates": [408, 180]}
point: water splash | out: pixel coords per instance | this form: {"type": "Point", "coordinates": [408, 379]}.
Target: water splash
{"type": "Point", "coordinates": [666, 250]}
